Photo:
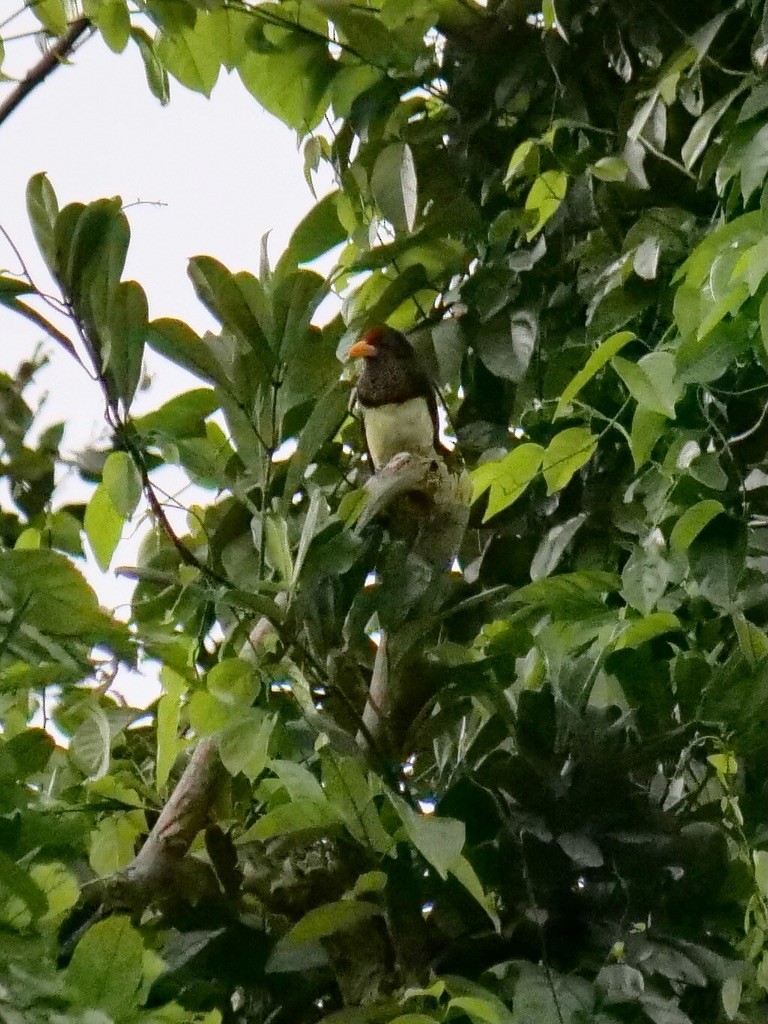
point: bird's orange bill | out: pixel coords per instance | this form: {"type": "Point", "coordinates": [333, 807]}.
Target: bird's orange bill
{"type": "Point", "coordinates": [362, 350]}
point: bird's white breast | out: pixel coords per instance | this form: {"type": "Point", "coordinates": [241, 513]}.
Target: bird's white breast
{"type": "Point", "coordinates": [398, 427]}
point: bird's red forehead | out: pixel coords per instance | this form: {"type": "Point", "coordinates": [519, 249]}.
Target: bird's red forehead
{"type": "Point", "coordinates": [373, 336]}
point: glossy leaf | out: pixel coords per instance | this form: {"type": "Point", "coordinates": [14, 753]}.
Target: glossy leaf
{"type": "Point", "coordinates": [602, 354]}
{"type": "Point", "coordinates": [103, 526]}
{"type": "Point", "coordinates": [507, 478]}
{"type": "Point", "coordinates": [692, 522]}
{"type": "Point", "coordinates": [566, 453]}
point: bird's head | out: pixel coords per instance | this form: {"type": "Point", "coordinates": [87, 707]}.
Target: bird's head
{"type": "Point", "coordinates": [382, 343]}
{"type": "Point", "coordinates": [392, 372]}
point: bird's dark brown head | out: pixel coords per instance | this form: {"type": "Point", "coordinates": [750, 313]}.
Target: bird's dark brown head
{"type": "Point", "coordinates": [382, 342]}
{"type": "Point", "coordinates": [392, 371]}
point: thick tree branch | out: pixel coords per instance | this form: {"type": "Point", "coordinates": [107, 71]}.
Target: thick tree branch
{"type": "Point", "coordinates": [183, 816]}
{"type": "Point", "coordinates": [48, 63]}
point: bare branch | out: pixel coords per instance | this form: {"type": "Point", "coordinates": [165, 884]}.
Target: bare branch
{"type": "Point", "coordinates": [48, 63]}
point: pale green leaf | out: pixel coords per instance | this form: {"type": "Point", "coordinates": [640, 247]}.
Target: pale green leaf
{"type": "Point", "coordinates": [439, 840]}
{"type": "Point", "coordinates": [234, 682]}
{"type": "Point", "coordinates": [51, 14]}
{"type": "Point", "coordinates": [106, 967]}
{"type": "Point", "coordinates": [754, 164]}
{"type": "Point", "coordinates": [103, 526]}
{"type": "Point", "coordinates": [394, 186]}
{"type": "Point", "coordinates": [699, 135]}
{"type": "Point", "coordinates": [464, 873]}
{"type": "Point", "coordinates": [111, 18]}
{"type": "Point", "coordinates": [507, 478]}
{"type": "Point", "coordinates": [122, 482]}
{"type": "Point", "coordinates": [189, 56]}
{"type": "Point", "coordinates": [544, 198]}
{"type": "Point", "coordinates": [653, 625]}
{"type": "Point", "coordinates": [566, 453]}
{"type": "Point", "coordinates": [610, 168]}
{"type": "Point", "coordinates": [731, 996]}
{"type": "Point", "coordinates": [169, 743]}
{"type": "Point", "coordinates": [651, 381]}
{"type": "Point", "coordinates": [602, 354]}
{"type": "Point", "coordinates": [692, 522]}
{"type": "Point", "coordinates": [331, 918]}
{"type": "Point", "coordinates": [244, 743]}
{"type": "Point", "coordinates": [113, 842]}
{"type": "Point", "coordinates": [647, 427]}
{"type": "Point", "coordinates": [43, 209]}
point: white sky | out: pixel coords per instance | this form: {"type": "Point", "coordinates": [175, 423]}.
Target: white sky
{"type": "Point", "coordinates": [227, 171]}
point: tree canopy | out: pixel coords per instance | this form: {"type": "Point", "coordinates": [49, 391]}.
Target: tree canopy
{"type": "Point", "coordinates": [565, 205]}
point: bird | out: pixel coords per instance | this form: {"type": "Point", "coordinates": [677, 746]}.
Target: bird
{"type": "Point", "coordinates": [396, 398]}
{"type": "Point", "coordinates": [421, 492]}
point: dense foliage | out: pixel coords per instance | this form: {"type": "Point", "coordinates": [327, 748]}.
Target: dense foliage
{"type": "Point", "coordinates": [566, 204]}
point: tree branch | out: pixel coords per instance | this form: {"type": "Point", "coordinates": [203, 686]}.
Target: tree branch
{"type": "Point", "coordinates": [48, 63]}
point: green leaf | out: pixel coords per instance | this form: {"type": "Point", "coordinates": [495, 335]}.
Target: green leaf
{"type": "Point", "coordinates": [394, 186]}
{"type": "Point", "coordinates": [53, 595]}
{"type": "Point", "coordinates": [519, 159]}
{"type": "Point", "coordinates": [52, 15]}
{"type": "Point", "coordinates": [330, 918]}
{"type": "Point", "coordinates": [43, 209]}
{"type": "Point", "coordinates": [581, 850]}
{"type": "Point", "coordinates": [439, 840]}
{"type": "Point", "coordinates": [754, 164]}
{"type": "Point", "coordinates": [692, 522]}
{"type": "Point", "coordinates": [103, 526]}
{"type": "Point", "coordinates": [647, 428]}
{"type": "Point", "coordinates": [179, 343]}
{"type": "Point", "coordinates": [698, 138]}
{"type": "Point", "coordinates": [169, 744]}
{"type": "Point", "coordinates": [106, 967]}
{"type": "Point", "coordinates": [91, 745]}
{"type": "Point", "coordinates": [348, 789]}
{"type": "Point", "coordinates": [476, 1009]}
{"type": "Point", "coordinates": [610, 168]}
{"type": "Point", "coordinates": [566, 453]}
{"type": "Point", "coordinates": [318, 232]}
{"type": "Point", "coordinates": [228, 32]}
{"type": "Point", "coordinates": [651, 381]}
{"type": "Point", "coordinates": [157, 76]}
{"type": "Point", "coordinates": [291, 83]}
{"type": "Point", "coordinates": [731, 996]}
{"type": "Point", "coordinates": [753, 642]}
{"type": "Point", "coordinates": [602, 354]}
{"type": "Point", "coordinates": [553, 546]}
{"type": "Point", "coordinates": [465, 874]}
{"type": "Point", "coordinates": [244, 743]}
{"type": "Point", "coordinates": [506, 344]}
{"type": "Point", "coordinates": [91, 240]}
{"type": "Point", "coordinates": [60, 886]}
{"type": "Point", "coordinates": [233, 682]}
{"type": "Point", "coordinates": [234, 299]}
{"type": "Point", "coordinates": [189, 54]}
{"type": "Point", "coordinates": [112, 19]}
{"type": "Point", "coordinates": [646, 629]}
{"type": "Point", "coordinates": [544, 199]}
{"type": "Point", "coordinates": [326, 418]}
{"type": "Point", "coordinates": [207, 714]}
{"type": "Point", "coordinates": [295, 816]}
{"type": "Point", "coordinates": [507, 478]}
{"type": "Point", "coordinates": [122, 482]}
{"type": "Point", "coordinates": [182, 416]}
{"type": "Point", "coordinates": [760, 860]}
{"type": "Point", "coordinates": [123, 333]}
{"type": "Point", "coordinates": [16, 881]}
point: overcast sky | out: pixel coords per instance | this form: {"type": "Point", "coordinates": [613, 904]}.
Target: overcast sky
{"type": "Point", "coordinates": [226, 171]}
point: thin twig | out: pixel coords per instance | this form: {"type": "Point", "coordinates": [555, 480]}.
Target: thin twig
{"type": "Point", "coordinates": [48, 63]}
